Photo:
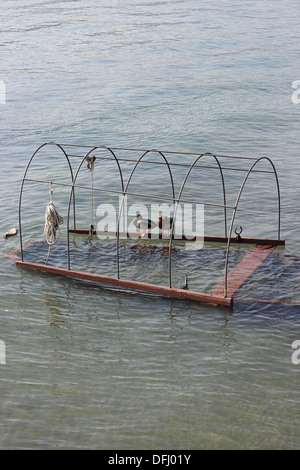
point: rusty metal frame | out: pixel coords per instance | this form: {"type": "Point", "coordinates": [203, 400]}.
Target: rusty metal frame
{"type": "Point", "coordinates": [176, 200]}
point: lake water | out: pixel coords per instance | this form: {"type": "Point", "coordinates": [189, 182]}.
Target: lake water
{"type": "Point", "coordinates": [92, 368]}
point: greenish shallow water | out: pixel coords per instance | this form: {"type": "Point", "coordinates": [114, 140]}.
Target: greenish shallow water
{"type": "Point", "coordinates": [95, 368]}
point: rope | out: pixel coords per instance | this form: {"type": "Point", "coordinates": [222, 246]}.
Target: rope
{"type": "Point", "coordinates": [90, 163]}
{"type": "Point", "coordinates": [52, 222]}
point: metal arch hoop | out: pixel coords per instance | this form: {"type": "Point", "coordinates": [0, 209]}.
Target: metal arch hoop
{"type": "Point", "coordinates": [235, 210]}
{"type": "Point", "coordinates": [23, 180]}
{"type": "Point", "coordinates": [178, 200]}
{"type": "Point", "coordinates": [72, 193]}
{"type": "Point", "coordinates": [124, 194]}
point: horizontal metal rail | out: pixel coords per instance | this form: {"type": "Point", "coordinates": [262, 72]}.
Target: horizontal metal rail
{"type": "Point", "coordinates": [115, 191]}
{"type": "Point", "coordinates": [171, 152]}
{"type": "Point", "coordinates": [184, 165]}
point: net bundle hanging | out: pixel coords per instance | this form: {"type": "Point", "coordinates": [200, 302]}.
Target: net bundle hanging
{"type": "Point", "coordinates": [52, 222]}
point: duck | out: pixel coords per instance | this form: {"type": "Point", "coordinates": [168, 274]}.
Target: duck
{"type": "Point", "coordinates": [165, 223]}
{"type": "Point", "coordinates": [144, 224]}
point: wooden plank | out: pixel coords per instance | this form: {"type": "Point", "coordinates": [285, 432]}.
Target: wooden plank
{"type": "Point", "coordinates": [202, 297]}
{"type": "Point", "coordinates": [207, 238]}
{"type": "Point", "coordinates": [243, 270]}
{"type": "Point", "coordinates": [16, 254]}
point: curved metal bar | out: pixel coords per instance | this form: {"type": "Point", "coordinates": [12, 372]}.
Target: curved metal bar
{"type": "Point", "coordinates": [72, 192]}
{"type": "Point", "coordinates": [235, 210]}
{"type": "Point", "coordinates": [22, 186]}
{"type": "Point", "coordinates": [124, 194]}
{"type": "Point", "coordinates": [223, 188]}
{"type": "Point", "coordinates": [118, 163]}
{"type": "Point", "coordinates": [178, 200]}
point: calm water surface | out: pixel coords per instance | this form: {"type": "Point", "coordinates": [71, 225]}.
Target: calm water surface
{"type": "Point", "coordinates": [93, 368]}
